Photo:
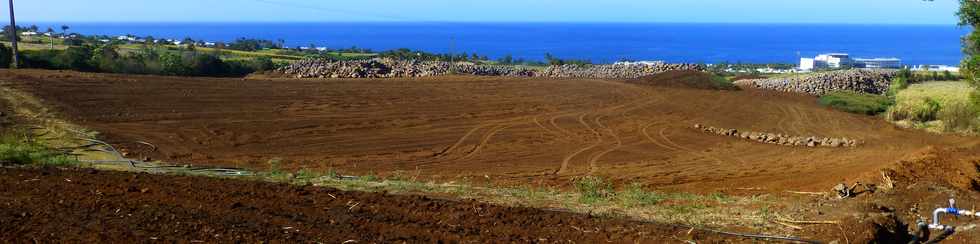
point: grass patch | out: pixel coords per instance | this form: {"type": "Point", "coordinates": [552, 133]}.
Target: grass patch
{"type": "Point", "coordinates": [591, 195]}
{"type": "Point", "coordinates": [635, 196]}
{"type": "Point", "coordinates": [854, 102]}
{"type": "Point", "coordinates": [21, 149]}
{"type": "Point", "coordinates": [943, 106]}
{"type": "Point", "coordinates": [594, 189]}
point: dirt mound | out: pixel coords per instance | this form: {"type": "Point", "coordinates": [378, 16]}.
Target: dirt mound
{"type": "Point", "coordinates": [686, 79]}
{"type": "Point", "coordinates": [86, 206]}
{"type": "Point", "coordinates": [958, 168]}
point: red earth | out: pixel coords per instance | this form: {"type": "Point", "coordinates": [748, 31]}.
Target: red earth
{"type": "Point", "coordinates": [512, 131]}
{"type": "Point", "coordinates": [89, 206]}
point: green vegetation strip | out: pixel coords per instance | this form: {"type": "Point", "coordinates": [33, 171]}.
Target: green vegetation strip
{"type": "Point", "coordinates": [854, 102]}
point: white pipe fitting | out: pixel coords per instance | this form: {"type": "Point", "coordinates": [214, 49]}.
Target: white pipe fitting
{"type": "Point", "coordinates": [950, 210]}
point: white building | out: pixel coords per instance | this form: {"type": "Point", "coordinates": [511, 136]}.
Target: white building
{"type": "Point", "coordinates": [808, 64]}
{"type": "Point", "coordinates": [825, 61]}
{"type": "Point", "coordinates": [878, 63]}
{"type": "Point", "coordinates": [843, 60]}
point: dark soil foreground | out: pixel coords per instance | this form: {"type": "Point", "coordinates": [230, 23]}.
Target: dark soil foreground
{"type": "Point", "coordinates": [53, 205]}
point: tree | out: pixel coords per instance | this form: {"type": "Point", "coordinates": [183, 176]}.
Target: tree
{"type": "Point", "coordinates": [509, 59]}
{"type": "Point", "coordinates": [969, 15]}
{"type": "Point", "coordinates": [64, 30]}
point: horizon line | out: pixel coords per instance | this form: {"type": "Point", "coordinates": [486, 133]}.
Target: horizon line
{"type": "Point", "coordinates": [484, 22]}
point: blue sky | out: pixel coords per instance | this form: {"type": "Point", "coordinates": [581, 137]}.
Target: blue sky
{"type": "Point", "coordinates": [711, 11]}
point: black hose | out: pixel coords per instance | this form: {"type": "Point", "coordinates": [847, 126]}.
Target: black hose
{"type": "Point", "coordinates": [921, 233]}
{"type": "Point", "coordinates": [946, 233]}
{"type": "Point", "coordinates": [764, 237]}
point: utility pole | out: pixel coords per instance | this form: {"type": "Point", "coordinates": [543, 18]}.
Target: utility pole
{"type": "Point", "coordinates": [13, 35]}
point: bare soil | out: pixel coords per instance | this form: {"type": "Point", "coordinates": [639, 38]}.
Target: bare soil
{"type": "Point", "coordinates": [507, 131]}
{"type": "Point", "coordinates": [511, 131]}
{"type": "Point", "coordinates": [89, 206]}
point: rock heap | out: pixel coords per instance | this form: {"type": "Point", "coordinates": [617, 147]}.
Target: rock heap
{"type": "Point", "coordinates": [614, 71]}
{"type": "Point", "coordinates": [858, 80]}
{"type": "Point", "coordinates": [391, 68]}
{"type": "Point", "coordinates": [780, 139]}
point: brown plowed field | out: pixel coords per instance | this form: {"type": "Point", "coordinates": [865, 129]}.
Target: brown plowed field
{"type": "Point", "coordinates": [74, 206]}
{"type": "Point", "coordinates": [510, 130]}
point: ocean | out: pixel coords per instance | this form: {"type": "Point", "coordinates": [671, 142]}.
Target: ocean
{"type": "Point", "coordinates": [599, 42]}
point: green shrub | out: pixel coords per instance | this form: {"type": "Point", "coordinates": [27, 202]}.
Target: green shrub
{"type": "Point", "coordinates": [635, 196]}
{"type": "Point", "coordinates": [919, 110]}
{"type": "Point", "coordinates": [594, 189]}
{"type": "Point", "coordinates": [18, 149]}
{"type": "Point", "coordinates": [76, 58]}
{"type": "Point", "coordinates": [958, 116]}
{"type": "Point", "coordinates": [854, 102]}
{"type": "Point", "coordinates": [6, 56]}
{"type": "Point", "coordinates": [263, 63]}
{"type": "Point", "coordinates": [897, 84]}
{"type": "Point", "coordinates": [39, 59]}
{"type": "Point", "coordinates": [722, 83]}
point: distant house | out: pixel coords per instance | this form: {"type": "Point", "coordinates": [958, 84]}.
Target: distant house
{"type": "Point", "coordinates": [28, 33]}
{"type": "Point", "coordinates": [126, 38]}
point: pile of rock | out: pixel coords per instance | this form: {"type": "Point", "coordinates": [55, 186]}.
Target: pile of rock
{"type": "Point", "coordinates": [391, 68]}
{"type": "Point", "coordinates": [615, 71]}
{"type": "Point", "coordinates": [780, 139]}
{"type": "Point", "coordinates": [858, 80]}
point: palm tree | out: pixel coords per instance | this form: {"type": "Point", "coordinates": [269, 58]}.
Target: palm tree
{"type": "Point", "coordinates": [64, 31]}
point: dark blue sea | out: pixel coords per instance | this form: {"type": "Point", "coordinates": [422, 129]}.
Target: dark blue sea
{"type": "Point", "coordinates": [599, 42]}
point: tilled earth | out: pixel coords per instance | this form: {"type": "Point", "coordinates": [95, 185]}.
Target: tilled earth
{"type": "Point", "coordinates": [89, 206]}
{"type": "Point", "coordinates": [509, 130]}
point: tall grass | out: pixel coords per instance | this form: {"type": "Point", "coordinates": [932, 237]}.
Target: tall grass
{"type": "Point", "coordinates": [938, 106]}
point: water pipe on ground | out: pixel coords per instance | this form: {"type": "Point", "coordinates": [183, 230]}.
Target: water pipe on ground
{"type": "Point", "coordinates": [950, 210]}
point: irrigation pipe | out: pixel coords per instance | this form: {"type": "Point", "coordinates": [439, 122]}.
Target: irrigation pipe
{"type": "Point", "coordinates": [144, 165]}
{"type": "Point", "coordinates": [763, 237]}
{"type": "Point", "coordinates": [748, 235]}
